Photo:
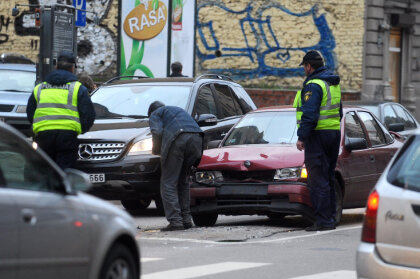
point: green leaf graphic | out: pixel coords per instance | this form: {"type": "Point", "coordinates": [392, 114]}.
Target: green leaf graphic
{"type": "Point", "coordinates": [130, 70]}
{"type": "Point", "coordinates": [155, 4]}
{"type": "Point", "coordinates": [141, 53]}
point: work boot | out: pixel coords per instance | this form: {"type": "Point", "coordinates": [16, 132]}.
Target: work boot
{"type": "Point", "coordinates": [316, 227]}
{"type": "Point", "coordinates": [171, 227]}
{"type": "Point", "coordinates": [187, 225]}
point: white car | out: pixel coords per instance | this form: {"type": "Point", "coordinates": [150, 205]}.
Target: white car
{"type": "Point", "coordinates": [49, 229]}
{"type": "Point", "coordinates": [390, 246]}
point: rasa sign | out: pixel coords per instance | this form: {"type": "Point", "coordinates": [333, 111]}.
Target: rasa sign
{"type": "Point", "coordinates": [144, 33]}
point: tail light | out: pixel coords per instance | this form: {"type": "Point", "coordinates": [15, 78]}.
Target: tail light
{"type": "Point", "coordinates": [369, 223]}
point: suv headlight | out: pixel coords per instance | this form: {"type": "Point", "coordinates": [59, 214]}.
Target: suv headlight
{"type": "Point", "coordinates": [288, 173]}
{"type": "Point", "coordinates": [208, 177]}
{"type": "Point", "coordinates": [141, 147]}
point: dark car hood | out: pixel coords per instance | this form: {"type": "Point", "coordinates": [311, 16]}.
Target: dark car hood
{"type": "Point", "coordinates": [262, 157]}
{"type": "Point", "coordinates": [118, 130]}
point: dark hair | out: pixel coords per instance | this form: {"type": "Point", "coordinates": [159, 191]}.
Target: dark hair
{"type": "Point", "coordinates": [154, 106]}
{"type": "Point", "coordinates": [87, 81]}
{"type": "Point", "coordinates": [176, 67]}
{"type": "Point", "coordinates": [316, 63]}
{"type": "Point", "coordinates": [63, 65]}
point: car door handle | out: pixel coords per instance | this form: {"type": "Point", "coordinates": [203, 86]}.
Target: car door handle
{"type": "Point", "coordinates": [372, 158]}
{"type": "Point", "coordinates": [223, 134]}
{"type": "Point", "coordinates": [28, 216]}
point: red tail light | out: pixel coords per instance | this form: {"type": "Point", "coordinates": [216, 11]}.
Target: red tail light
{"type": "Point", "coordinates": [369, 223]}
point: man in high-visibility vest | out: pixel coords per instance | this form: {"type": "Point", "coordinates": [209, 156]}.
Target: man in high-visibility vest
{"type": "Point", "coordinates": [60, 109]}
{"type": "Point", "coordinates": [318, 116]}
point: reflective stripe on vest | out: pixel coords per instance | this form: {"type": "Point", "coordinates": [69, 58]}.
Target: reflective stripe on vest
{"type": "Point", "coordinates": [57, 107]}
{"type": "Point", "coordinates": [329, 118]}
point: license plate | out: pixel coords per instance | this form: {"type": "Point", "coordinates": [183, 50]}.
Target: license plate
{"type": "Point", "coordinates": [97, 177]}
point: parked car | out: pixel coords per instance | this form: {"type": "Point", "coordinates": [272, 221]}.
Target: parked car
{"type": "Point", "coordinates": [390, 245]}
{"type": "Point", "coordinates": [117, 151]}
{"type": "Point", "coordinates": [16, 84]}
{"type": "Point", "coordinates": [394, 115]}
{"type": "Point", "coordinates": [49, 228]}
{"type": "Point", "coordinates": [257, 168]}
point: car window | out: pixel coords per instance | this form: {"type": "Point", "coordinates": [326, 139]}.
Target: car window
{"type": "Point", "coordinates": [205, 103]}
{"type": "Point", "coordinates": [374, 131]}
{"type": "Point", "coordinates": [22, 168]}
{"type": "Point", "coordinates": [225, 101]}
{"type": "Point", "coordinates": [244, 100]}
{"type": "Point", "coordinates": [115, 101]}
{"type": "Point", "coordinates": [238, 107]}
{"type": "Point", "coordinates": [405, 171]}
{"type": "Point", "coordinates": [389, 115]}
{"type": "Point", "coordinates": [404, 118]}
{"type": "Point", "coordinates": [263, 128]}
{"type": "Point", "coordinates": [17, 81]}
{"type": "Point", "coordinates": [352, 126]}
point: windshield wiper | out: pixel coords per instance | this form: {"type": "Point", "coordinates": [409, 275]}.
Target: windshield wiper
{"type": "Point", "coordinates": [135, 116]}
{"type": "Point", "coordinates": [14, 90]}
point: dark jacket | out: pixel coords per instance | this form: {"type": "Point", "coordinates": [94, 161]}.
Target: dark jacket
{"type": "Point", "coordinates": [173, 74]}
{"type": "Point", "coordinates": [311, 107]}
{"type": "Point", "coordinates": [166, 123]}
{"type": "Point", "coordinates": [84, 104]}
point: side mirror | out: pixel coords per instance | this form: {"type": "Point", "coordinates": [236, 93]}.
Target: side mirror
{"type": "Point", "coordinates": [78, 180]}
{"type": "Point", "coordinates": [213, 144]}
{"type": "Point", "coordinates": [207, 120]}
{"type": "Point", "coordinates": [396, 127]}
{"type": "Point", "coordinates": [355, 144]}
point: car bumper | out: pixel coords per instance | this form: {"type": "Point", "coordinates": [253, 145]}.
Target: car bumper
{"type": "Point", "coordinates": [238, 199]}
{"type": "Point", "coordinates": [19, 123]}
{"type": "Point", "coordinates": [130, 178]}
{"type": "Point", "coordinates": [370, 265]}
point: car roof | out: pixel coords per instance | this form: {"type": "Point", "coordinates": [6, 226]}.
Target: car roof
{"type": "Point", "coordinates": [21, 67]}
{"type": "Point", "coordinates": [291, 108]}
{"type": "Point", "coordinates": [367, 103]}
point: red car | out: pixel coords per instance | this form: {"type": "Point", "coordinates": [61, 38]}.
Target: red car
{"type": "Point", "coordinates": [257, 168]}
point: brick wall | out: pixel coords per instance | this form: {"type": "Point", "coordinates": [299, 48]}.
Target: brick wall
{"type": "Point", "coordinates": [268, 97]}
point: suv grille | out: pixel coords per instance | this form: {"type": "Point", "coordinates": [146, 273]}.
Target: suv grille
{"type": "Point", "coordinates": [6, 108]}
{"type": "Point", "coordinates": [100, 151]}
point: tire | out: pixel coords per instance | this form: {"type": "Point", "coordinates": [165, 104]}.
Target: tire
{"type": "Point", "coordinates": [119, 263]}
{"type": "Point", "coordinates": [136, 204]}
{"type": "Point", "coordinates": [338, 201]}
{"type": "Point", "coordinates": [205, 220]}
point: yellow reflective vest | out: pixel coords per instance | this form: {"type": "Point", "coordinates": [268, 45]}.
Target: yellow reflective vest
{"type": "Point", "coordinates": [57, 107]}
{"type": "Point", "coordinates": [329, 112]}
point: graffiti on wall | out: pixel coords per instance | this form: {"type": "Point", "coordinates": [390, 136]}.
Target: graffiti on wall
{"type": "Point", "coordinates": [264, 49]}
{"type": "Point", "coordinates": [96, 43]}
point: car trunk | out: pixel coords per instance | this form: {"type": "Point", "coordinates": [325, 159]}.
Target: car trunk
{"type": "Point", "coordinates": [398, 226]}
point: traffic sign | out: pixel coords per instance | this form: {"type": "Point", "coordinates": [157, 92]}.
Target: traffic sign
{"type": "Point", "coordinates": [80, 20]}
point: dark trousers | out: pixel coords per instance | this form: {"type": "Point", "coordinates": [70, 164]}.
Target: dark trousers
{"type": "Point", "coordinates": [184, 152]}
{"type": "Point", "coordinates": [60, 145]}
{"type": "Point", "coordinates": [321, 153]}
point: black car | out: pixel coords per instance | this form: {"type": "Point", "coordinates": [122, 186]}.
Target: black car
{"type": "Point", "coordinates": [394, 115]}
{"type": "Point", "coordinates": [117, 151]}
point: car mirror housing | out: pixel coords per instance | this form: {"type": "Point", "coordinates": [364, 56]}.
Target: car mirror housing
{"type": "Point", "coordinates": [396, 127]}
{"type": "Point", "coordinates": [78, 180]}
{"type": "Point", "coordinates": [355, 143]}
{"type": "Point", "coordinates": [207, 120]}
{"type": "Point", "coordinates": [213, 144]}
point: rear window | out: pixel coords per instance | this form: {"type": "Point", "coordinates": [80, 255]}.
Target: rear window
{"type": "Point", "coordinates": [405, 171]}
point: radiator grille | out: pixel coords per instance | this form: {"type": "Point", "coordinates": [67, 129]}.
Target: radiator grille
{"type": "Point", "coordinates": [100, 151]}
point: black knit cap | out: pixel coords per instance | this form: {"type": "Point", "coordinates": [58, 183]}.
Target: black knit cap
{"type": "Point", "coordinates": [311, 56]}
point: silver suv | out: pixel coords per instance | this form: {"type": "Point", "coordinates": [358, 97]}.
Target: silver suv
{"type": "Point", "coordinates": [390, 246]}
{"type": "Point", "coordinates": [49, 229]}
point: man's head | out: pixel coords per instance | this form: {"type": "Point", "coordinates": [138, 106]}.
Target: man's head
{"type": "Point", "coordinates": [312, 61]}
{"type": "Point", "coordinates": [66, 61]}
{"type": "Point", "coordinates": [176, 67]}
{"type": "Point", "coordinates": [154, 106]}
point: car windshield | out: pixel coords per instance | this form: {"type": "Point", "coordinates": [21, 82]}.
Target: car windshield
{"type": "Point", "coordinates": [405, 172]}
{"type": "Point", "coordinates": [274, 127]}
{"type": "Point", "coordinates": [134, 100]}
{"type": "Point", "coordinates": [17, 81]}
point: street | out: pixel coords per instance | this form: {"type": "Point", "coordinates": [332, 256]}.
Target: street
{"type": "Point", "coordinates": [248, 247]}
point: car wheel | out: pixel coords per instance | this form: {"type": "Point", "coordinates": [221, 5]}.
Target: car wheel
{"type": "Point", "coordinates": [205, 220]}
{"type": "Point", "coordinates": [119, 264]}
{"type": "Point", "coordinates": [136, 204]}
{"type": "Point", "coordinates": [338, 201]}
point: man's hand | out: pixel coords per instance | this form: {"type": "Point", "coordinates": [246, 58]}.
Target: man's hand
{"type": "Point", "coordinates": [299, 145]}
